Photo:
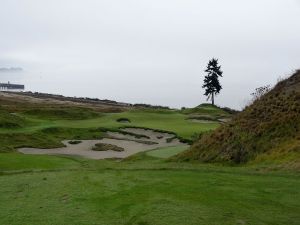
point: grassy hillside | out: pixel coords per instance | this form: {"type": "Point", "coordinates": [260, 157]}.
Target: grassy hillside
{"type": "Point", "coordinates": [266, 131]}
{"type": "Point", "coordinates": [8, 120]}
{"type": "Point", "coordinates": [67, 113]}
{"type": "Point", "coordinates": [206, 109]}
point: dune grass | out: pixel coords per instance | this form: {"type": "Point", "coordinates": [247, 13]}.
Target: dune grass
{"type": "Point", "coordinates": [264, 129]}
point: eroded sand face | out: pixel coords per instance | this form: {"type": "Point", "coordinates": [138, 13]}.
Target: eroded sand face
{"type": "Point", "coordinates": [130, 144]}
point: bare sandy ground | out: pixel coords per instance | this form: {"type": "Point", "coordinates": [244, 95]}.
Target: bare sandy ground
{"type": "Point", "coordinates": [130, 144]}
{"type": "Point", "coordinates": [202, 121]}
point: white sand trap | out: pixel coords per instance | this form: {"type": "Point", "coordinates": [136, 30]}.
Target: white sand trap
{"type": "Point", "coordinates": [130, 145]}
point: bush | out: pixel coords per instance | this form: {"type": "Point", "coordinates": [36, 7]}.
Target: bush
{"type": "Point", "coordinates": [75, 142]}
{"type": "Point", "coordinates": [106, 147]}
{"type": "Point", "coordinates": [123, 120]}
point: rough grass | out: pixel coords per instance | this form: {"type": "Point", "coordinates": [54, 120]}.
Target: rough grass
{"type": "Point", "coordinates": [68, 113]}
{"type": "Point", "coordinates": [206, 109]}
{"type": "Point", "coordinates": [266, 127]}
{"type": "Point", "coordinates": [45, 138]}
{"type": "Point", "coordinates": [46, 190]}
{"type": "Point", "coordinates": [107, 147]}
{"type": "Point", "coordinates": [8, 120]}
{"type": "Point", "coordinates": [74, 142]}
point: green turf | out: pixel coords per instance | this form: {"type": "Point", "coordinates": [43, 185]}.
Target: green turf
{"type": "Point", "coordinates": [206, 109]}
{"type": "Point", "coordinates": [146, 191]}
{"type": "Point", "coordinates": [175, 122]}
{"type": "Point", "coordinates": [166, 152]}
{"type": "Point", "coordinates": [20, 162]}
{"type": "Point", "coordinates": [41, 131]}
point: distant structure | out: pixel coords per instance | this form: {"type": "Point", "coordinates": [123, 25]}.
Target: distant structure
{"type": "Point", "coordinates": [11, 69]}
{"type": "Point", "coordinates": [11, 87]}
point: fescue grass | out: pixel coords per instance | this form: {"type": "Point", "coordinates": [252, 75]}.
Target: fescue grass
{"type": "Point", "coordinates": [50, 137]}
{"type": "Point", "coordinates": [107, 147]}
{"type": "Point", "coordinates": [68, 113]}
{"type": "Point", "coordinates": [206, 109]}
{"type": "Point", "coordinates": [266, 127]}
{"type": "Point", "coordinates": [9, 121]}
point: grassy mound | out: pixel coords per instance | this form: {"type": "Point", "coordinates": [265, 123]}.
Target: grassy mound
{"type": "Point", "coordinates": [46, 138]}
{"type": "Point", "coordinates": [123, 120]}
{"type": "Point", "coordinates": [205, 109]}
{"type": "Point", "coordinates": [107, 147]}
{"type": "Point", "coordinates": [69, 113]}
{"type": "Point", "coordinates": [8, 120]}
{"type": "Point", "coordinates": [74, 142]}
{"type": "Point", "coordinates": [267, 129]}
{"type": "Point", "coordinates": [208, 112]}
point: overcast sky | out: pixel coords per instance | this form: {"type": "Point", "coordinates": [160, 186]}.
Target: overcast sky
{"type": "Point", "coordinates": [149, 51]}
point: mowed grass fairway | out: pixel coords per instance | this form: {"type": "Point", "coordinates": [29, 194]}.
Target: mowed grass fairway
{"type": "Point", "coordinates": [48, 128]}
{"type": "Point", "coordinates": [166, 120]}
{"type": "Point", "coordinates": [171, 121]}
{"type": "Point", "coordinates": [51, 190]}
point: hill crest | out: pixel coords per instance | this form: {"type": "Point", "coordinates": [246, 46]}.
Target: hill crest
{"type": "Point", "coordinates": [267, 130]}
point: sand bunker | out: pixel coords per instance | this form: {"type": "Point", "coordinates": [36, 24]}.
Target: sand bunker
{"type": "Point", "coordinates": [129, 143]}
{"type": "Point", "coordinates": [202, 121]}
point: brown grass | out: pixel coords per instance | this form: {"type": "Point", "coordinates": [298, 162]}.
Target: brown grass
{"type": "Point", "coordinates": [269, 124]}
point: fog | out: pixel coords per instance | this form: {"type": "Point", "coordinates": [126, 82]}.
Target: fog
{"type": "Point", "coordinates": [154, 51]}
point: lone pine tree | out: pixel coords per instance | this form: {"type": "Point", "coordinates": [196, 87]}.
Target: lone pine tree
{"type": "Point", "coordinates": [211, 84]}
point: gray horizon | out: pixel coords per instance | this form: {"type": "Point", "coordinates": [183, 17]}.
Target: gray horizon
{"type": "Point", "coordinates": [152, 52]}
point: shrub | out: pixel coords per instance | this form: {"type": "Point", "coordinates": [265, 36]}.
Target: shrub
{"type": "Point", "coordinates": [123, 120]}
{"type": "Point", "coordinates": [106, 147]}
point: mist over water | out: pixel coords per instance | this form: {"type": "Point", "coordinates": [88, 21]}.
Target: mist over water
{"type": "Point", "coordinates": [155, 90]}
{"type": "Point", "coordinates": [151, 52]}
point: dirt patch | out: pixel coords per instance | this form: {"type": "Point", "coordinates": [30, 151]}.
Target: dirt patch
{"type": "Point", "coordinates": [129, 143]}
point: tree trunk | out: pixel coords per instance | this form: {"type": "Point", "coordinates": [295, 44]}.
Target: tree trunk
{"type": "Point", "coordinates": [212, 99]}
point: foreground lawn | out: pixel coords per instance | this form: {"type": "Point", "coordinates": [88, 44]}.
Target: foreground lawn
{"type": "Point", "coordinates": [143, 190]}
